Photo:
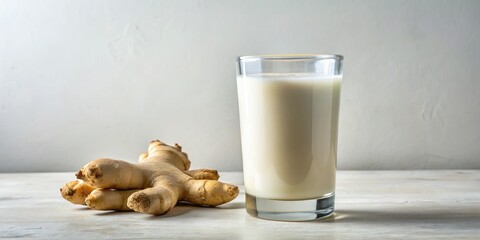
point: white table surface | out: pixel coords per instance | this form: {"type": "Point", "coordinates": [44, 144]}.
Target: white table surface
{"type": "Point", "coordinates": [369, 204]}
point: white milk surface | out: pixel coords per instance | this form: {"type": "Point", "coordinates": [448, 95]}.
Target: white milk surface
{"type": "Point", "coordinates": [289, 135]}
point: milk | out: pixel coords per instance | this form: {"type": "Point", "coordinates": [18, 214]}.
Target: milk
{"type": "Point", "coordinates": [289, 135]}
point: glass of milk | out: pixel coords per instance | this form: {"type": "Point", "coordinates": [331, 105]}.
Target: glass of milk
{"type": "Point", "coordinates": [289, 108]}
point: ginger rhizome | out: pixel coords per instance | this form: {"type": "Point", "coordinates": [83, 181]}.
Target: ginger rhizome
{"type": "Point", "coordinates": [154, 185]}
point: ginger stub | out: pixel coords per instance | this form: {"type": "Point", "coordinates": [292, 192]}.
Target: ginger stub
{"type": "Point", "coordinates": [154, 185]}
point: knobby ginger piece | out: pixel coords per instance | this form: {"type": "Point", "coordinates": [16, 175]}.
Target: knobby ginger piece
{"type": "Point", "coordinates": [154, 185]}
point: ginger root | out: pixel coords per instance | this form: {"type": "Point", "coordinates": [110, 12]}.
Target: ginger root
{"type": "Point", "coordinates": [153, 186]}
{"type": "Point", "coordinates": [76, 191]}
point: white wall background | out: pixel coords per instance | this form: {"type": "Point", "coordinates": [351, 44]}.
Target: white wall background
{"type": "Point", "coordinates": [86, 79]}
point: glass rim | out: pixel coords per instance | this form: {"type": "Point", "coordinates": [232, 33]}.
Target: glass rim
{"type": "Point", "coordinates": [290, 57]}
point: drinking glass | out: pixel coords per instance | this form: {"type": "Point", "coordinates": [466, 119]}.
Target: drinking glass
{"type": "Point", "coordinates": [289, 106]}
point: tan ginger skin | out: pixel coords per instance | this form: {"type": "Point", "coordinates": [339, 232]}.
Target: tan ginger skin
{"type": "Point", "coordinates": [153, 185]}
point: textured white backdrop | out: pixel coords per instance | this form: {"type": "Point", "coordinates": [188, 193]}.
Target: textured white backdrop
{"type": "Point", "coordinates": [86, 79]}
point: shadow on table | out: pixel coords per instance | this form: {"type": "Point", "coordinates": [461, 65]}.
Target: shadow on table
{"type": "Point", "coordinates": [180, 209]}
{"type": "Point", "coordinates": [83, 208]}
{"type": "Point", "coordinates": [412, 216]}
{"type": "Point", "coordinates": [234, 205]}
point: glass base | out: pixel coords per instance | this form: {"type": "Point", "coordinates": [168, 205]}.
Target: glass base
{"type": "Point", "coordinates": [290, 210]}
